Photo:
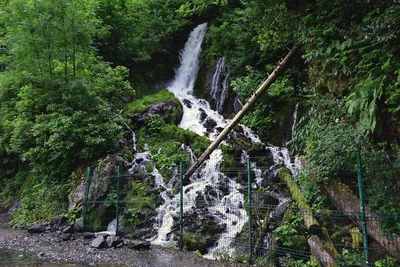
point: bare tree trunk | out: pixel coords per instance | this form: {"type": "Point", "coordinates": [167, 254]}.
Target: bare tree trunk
{"type": "Point", "coordinates": [345, 200]}
{"type": "Point", "coordinates": [267, 83]}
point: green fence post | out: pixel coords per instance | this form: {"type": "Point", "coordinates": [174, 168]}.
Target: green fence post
{"type": "Point", "coordinates": [85, 201]}
{"type": "Point", "coordinates": [250, 210]}
{"type": "Point", "coordinates": [117, 204]}
{"type": "Point", "coordinates": [362, 208]}
{"type": "Point", "coordinates": [181, 205]}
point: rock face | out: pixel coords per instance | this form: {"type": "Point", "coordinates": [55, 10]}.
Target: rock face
{"type": "Point", "coordinates": [169, 109]}
{"type": "Point", "coordinates": [99, 184]}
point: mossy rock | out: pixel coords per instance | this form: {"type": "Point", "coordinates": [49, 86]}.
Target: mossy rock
{"type": "Point", "coordinates": [194, 243]}
{"type": "Point", "coordinates": [164, 104]}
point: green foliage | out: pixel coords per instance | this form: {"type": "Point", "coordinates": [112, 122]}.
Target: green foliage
{"type": "Point", "coordinates": [316, 199]}
{"type": "Point", "coordinates": [387, 262]}
{"type": "Point", "coordinates": [288, 261]}
{"type": "Point", "coordinates": [41, 201]}
{"type": "Point", "coordinates": [265, 117]}
{"type": "Point", "coordinates": [142, 104]}
{"type": "Point", "coordinates": [353, 54]}
{"type": "Point", "coordinates": [284, 234]}
{"type": "Point", "coordinates": [138, 199]}
{"type": "Point", "coordinates": [59, 103]}
{"type": "Point", "coordinates": [50, 39]}
{"type": "Point", "coordinates": [328, 137]}
{"type": "Point", "coordinates": [194, 243]}
{"type": "Point", "coordinates": [165, 143]}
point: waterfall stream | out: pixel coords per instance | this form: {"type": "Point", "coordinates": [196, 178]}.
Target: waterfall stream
{"type": "Point", "coordinates": [226, 206]}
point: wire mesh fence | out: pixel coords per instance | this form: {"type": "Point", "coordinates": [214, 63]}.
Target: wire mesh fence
{"type": "Point", "coordinates": [253, 213]}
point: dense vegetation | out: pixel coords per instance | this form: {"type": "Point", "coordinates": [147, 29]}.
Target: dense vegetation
{"type": "Point", "coordinates": [67, 69]}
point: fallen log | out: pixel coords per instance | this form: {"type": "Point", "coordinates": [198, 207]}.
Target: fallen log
{"type": "Point", "coordinates": [324, 255]}
{"type": "Point", "coordinates": [246, 108]}
{"type": "Point", "coordinates": [310, 222]}
{"type": "Point", "coordinates": [345, 200]}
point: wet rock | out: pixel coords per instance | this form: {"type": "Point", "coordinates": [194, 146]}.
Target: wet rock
{"type": "Point", "coordinates": [113, 241]}
{"type": "Point", "coordinates": [142, 232]}
{"type": "Point", "coordinates": [203, 114]}
{"type": "Point", "coordinates": [209, 124]}
{"type": "Point", "coordinates": [68, 229]}
{"type": "Point", "coordinates": [58, 220]}
{"type": "Point", "coordinates": [88, 235]}
{"type": "Point", "coordinates": [78, 226]}
{"type": "Point", "coordinates": [98, 242]}
{"type": "Point", "coordinates": [137, 244]}
{"type": "Point", "coordinates": [36, 229]}
{"type": "Point", "coordinates": [187, 103]}
{"type": "Point", "coordinates": [66, 237]}
{"type": "Point", "coordinates": [15, 206]}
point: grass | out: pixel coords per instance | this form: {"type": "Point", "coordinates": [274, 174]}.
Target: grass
{"type": "Point", "coordinates": [142, 104]}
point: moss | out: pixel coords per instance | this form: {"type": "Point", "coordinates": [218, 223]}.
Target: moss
{"type": "Point", "coordinates": [165, 143]}
{"type": "Point", "coordinates": [141, 105]}
{"type": "Point", "coordinates": [194, 243]}
{"type": "Point", "coordinates": [138, 200]}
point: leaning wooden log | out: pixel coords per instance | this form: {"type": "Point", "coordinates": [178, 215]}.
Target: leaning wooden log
{"type": "Point", "coordinates": [310, 222]}
{"type": "Point", "coordinates": [246, 108]}
{"type": "Point", "coordinates": [345, 200]}
{"type": "Point", "coordinates": [325, 257]}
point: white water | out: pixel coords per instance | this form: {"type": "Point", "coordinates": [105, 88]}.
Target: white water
{"type": "Point", "coordinates": [226, 207]}
{"type": "Point", "coordinates": [220, 84]}
{"type": "Point", "coordinates": [281, 155]}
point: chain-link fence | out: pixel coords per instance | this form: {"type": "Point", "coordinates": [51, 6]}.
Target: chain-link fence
{"type": "Point", "coordinates": [254, 213]}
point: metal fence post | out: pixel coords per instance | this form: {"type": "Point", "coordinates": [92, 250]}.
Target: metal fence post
{"type": "Point", "coordinates": [181, 205]}
{"type": "Point", "coordinates": [362, 209]}
{"type": "Point", "coordinates": [85, 201]}
{"type": "Point", "coordinates": [250, 210]}
{"type": "Point", "coordinates": [117, 204]}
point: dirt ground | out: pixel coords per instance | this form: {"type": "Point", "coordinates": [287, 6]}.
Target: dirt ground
{"type": "Point", "coordinates": [50, 248]}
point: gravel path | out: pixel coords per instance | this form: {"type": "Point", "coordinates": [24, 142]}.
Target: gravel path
{"type": "Point", "coordinates": [50, 248]}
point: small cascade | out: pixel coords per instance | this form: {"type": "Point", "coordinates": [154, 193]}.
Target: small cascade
{"type": "Point", "coordinates": [220, 84]}
{"type": "Point", "coordinates": [133, 136]}
{"type": "Point", "coordinates": [294, 119]}
{"type": "Point", "coordinates": [193, 158]}
{"type": "Point", "coordinates": [281, 155]}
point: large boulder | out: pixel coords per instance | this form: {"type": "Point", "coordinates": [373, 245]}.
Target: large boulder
{"type": "Point", "coordinates": [36, 228]}
{"type": "Point", "coordinates": [170, 109]}
{"type": "Point", "coordinates": [98, 242]}
{"type": "Point", "coordinates": [100, 182]}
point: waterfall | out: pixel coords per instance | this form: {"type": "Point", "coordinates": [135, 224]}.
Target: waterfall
{"type": "Point", "coordinates": [222, 197]}
{"type": "Point", "coordinates": [185, 76]}
{"type": "Point", "coordinates": [220, 84]}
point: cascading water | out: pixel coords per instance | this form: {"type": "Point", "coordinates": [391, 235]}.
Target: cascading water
{"type": "Point", "coordinates": [220, 84]}
{"type": "Point", "coordinates": [281, 155]}
{"type": "Point", "coordinates": [226, 206]}
{"type": "Point", "coordinates": [194, 113]}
